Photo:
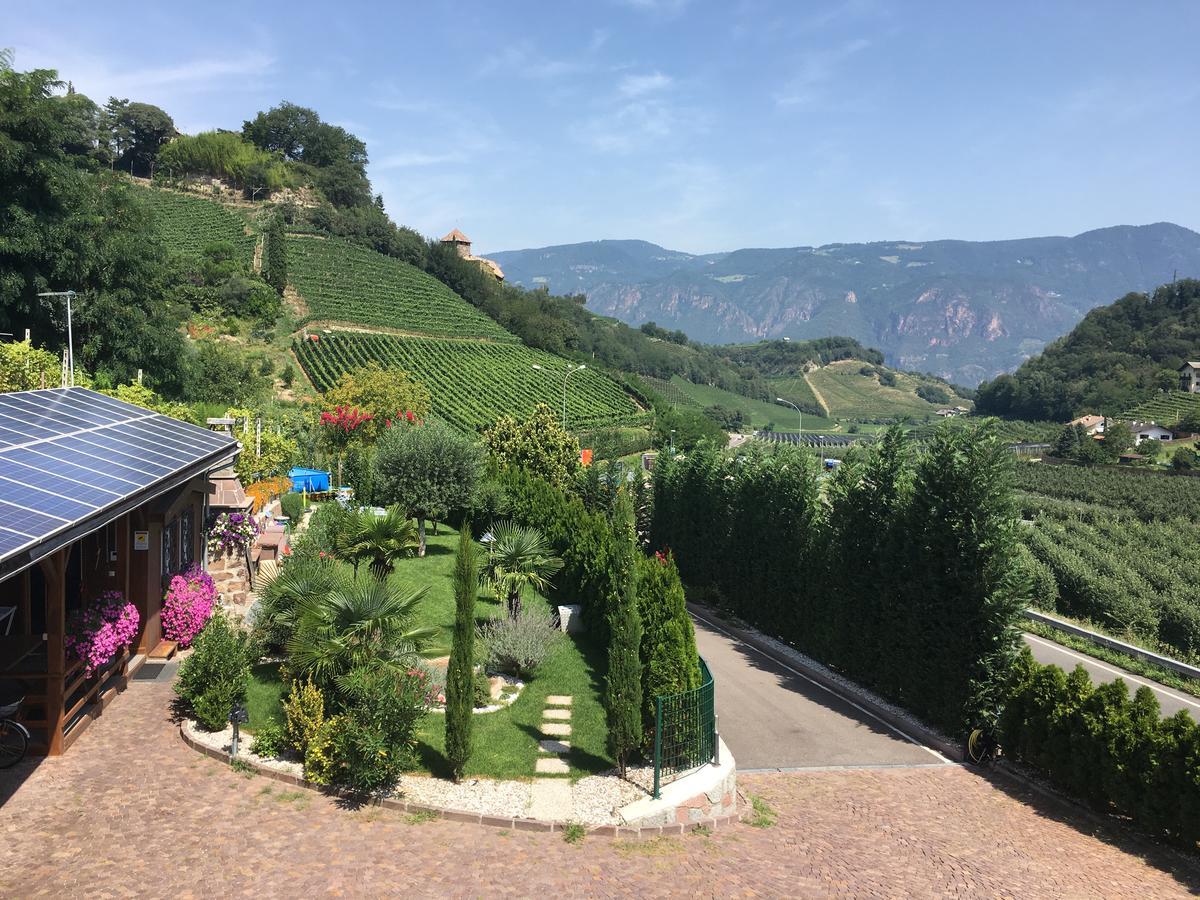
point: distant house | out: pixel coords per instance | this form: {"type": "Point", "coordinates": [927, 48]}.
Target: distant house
{"type": "Point", "coordinates": [462, 244]}
{"type": "Point", "coordinates": [1149, 431]}
{"type": "Point", "coordinates": [947, 412]}
{"type": "Point", "coordinates": [1189, 377]}
{"type": "Point", "coordinates": [1093, 425]}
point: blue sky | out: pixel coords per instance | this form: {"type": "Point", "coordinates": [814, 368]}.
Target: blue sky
{"type": "Point", "coordinates": [697, 125]}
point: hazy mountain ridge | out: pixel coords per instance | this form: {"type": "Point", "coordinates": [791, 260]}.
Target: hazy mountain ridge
{"type": "Point", "coordinates": [964, 310]}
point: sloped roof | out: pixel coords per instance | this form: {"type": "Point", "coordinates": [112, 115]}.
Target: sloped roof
{"type": "Point", "coordinates": [72, 460]}
{"type": "Point", "coordinates": [456, 237]}
{"type": "Point", "coordinates": [1190, 365]}
{"type": "Point", "coordinates": [1087, 421]}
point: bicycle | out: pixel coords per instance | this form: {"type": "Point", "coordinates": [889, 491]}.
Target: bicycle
{"type": "Point", "coordinates": [14, 737]}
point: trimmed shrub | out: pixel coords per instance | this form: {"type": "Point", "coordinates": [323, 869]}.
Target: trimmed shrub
{"type": "Point", "coordinates": [217, 674]}
{"type": "Point", "coordinates": [291, 505]}
{"type": "Point", "coordinates": [670, 663]}
{"type": "Point", "coordinates": [377, 738]}
{"type": "Point", "coordinates": [460, 687]}
{"type": "Point", "coordinates": [482, 686]}
{"type": "Point", "coordinates": [519, 645]}
{"type": "Point", "coordinates": [623, 683]}
{"type": "Point", "coordinates": [309, 732]}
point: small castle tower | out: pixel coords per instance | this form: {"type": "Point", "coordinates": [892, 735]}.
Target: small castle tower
{"type": "Point", "coordinates": [460, 242]}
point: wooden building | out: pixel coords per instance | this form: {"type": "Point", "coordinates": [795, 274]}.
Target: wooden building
{"type": "Point", "coordinates": [95, 495]}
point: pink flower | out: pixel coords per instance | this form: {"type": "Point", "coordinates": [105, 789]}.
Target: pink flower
{"type": "Point", "coordinates": [188, 605]}
{"type": "Point", "coordinates": [101, 631]}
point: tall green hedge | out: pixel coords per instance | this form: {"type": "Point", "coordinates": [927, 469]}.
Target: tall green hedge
{"type": "Point", "coordinates": [1098, 743]}
{"type": "Point", "coordinates": [903, 574]}
{"type": "Point", "coordinates": [670, 663]}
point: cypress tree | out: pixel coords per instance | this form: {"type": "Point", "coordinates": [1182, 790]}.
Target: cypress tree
{"type": "Point", "coordinates": [670, 663]}
{"type": "Point", "coordinates": [460, 673]}
{"type": "Point", "coordinates": [623, 685]}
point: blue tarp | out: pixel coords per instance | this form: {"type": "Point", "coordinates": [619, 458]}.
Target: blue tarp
{"type": "Point", "coordinates": [310, 480]}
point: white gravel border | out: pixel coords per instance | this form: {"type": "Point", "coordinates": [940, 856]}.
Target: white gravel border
{"type": "Point", "coordinates": [596, 799]}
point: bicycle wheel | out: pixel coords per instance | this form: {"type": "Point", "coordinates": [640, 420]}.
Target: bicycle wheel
{"type": "Point", "coordinates": [13, 744]}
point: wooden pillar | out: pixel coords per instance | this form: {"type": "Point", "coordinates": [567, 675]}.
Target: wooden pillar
{"type": "Point", "coordinates": [55, 569]}
{"type": "Point", "coordinates": [26, 605]}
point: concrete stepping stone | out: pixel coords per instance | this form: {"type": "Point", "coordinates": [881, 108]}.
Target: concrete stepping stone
{"type": "Point", "coordinates": [558, 700]}
{"type": "Point", "coordinates": [550, 765]}
{"type": "Point", "coordinates": [556, 729]}
{"type": "Point", "coordinates": [554, 746]}
{"type": "Point", "coordinates": [557, 714]}
{"type": "Point", "coordinates": [551, 800]}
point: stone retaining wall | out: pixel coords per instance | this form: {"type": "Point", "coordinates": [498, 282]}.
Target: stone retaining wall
{"type": "Point", "coordinates": [701, 797]}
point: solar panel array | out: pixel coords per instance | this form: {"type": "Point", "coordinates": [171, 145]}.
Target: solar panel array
{"type": "Point", "coordinates": [68, 455]}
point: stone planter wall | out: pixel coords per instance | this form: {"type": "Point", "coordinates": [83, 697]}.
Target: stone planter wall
{"type": "Point", "coordinates": [709, 794]}
{"type": "Point", "coordinates": [231, 576]}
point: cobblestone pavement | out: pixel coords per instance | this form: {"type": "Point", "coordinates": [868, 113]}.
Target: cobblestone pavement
{"type": "Point", "coordinates": [130, 810]}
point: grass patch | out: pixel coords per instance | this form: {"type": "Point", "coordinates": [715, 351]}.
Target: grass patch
{"type": "Point", "coordinates": [659, 846]}
{"type": "Point", "coordinates": [574, 833]}
{"type": "Point", "coordinates": [420, 817]}
{"type": "Point", "coordinates": [242, 767]}
{"type": "Point", "coordinates": [264, 697]}
{"type": "Point", "coordinates": [757, 412]}
{"type": "Point", "coordinates": [762, 815]}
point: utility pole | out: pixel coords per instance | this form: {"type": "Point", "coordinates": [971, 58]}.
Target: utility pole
{"type": "Point", "coordinates": [70, 295]}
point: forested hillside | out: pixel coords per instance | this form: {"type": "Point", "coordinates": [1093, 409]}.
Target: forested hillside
{"type": "Point", "coordinates": [1117, 357]}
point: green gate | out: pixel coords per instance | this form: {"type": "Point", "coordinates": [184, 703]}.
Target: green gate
{"type": "Point", "coordinates": [685, 730]}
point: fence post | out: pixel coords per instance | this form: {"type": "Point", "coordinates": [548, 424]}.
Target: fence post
{"type": "Point", "coordinates": [716, 738]}
{"type": "Point", "coordinates": [657, 744]}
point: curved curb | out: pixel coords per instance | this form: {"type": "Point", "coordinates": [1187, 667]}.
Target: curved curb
{"type": "Point", "coordinates": [623, 832]}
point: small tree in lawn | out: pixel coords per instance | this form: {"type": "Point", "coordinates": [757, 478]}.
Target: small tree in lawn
{"type": "Point", "coordinates": [428, 470]}
{"type": "Point", "coordinates": [341, 428]}
{"type": "Point", "coordinates": [539, 445]}
{"type": "Point", "coordinates": [385, 396]}
{"type": "Point", "coordinates": [460, 673]}
{"type": "Point", "coordinates": [519, 557]}
{"type": "Point", "coordinates": [623, 685]}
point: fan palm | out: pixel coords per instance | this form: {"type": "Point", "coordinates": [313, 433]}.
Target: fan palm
{"type": "Point", "coordinates": [519, 557]}
{"type": "Point", "coordinates": [275, 612]}
{"type": "Point", "coordinates": [381, 541]}
{"type": "Point", "coordinates": [359, 623]}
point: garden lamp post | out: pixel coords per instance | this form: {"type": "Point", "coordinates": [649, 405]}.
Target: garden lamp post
{"type": "Point", "coordinates": [796, 408]}
{"type": "Point", "coordinates": [237, 717]}
{"type": "Point", "coordinates": [571, 370]}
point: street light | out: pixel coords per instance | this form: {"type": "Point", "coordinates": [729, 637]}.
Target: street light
{"type": "Point", "coordinates": [796, 408]}
{"type": "Point", "coordinates": [70, 295]}
{"type": "Point", "coordinates": [571, 370]}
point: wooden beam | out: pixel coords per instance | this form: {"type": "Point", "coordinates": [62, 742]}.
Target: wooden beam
{"type": "Point", "coordinates": [55, 569]}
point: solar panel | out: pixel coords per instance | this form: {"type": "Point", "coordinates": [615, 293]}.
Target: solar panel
{"type": "Point", "coordinates": [72, 459]}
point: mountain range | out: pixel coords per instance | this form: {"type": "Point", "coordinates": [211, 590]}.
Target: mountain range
{"type": "Point", "coordinates": [964, 310]}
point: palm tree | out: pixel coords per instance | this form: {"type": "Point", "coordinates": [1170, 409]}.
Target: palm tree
{"type": "Point", "coordinates": [279, 599]}
{"type": "Point", "coordinates": [360, 623]}
{"type": "Point", "coordinates": [519, 557]}
{"type": "Point", "coordinates": [380, 540]}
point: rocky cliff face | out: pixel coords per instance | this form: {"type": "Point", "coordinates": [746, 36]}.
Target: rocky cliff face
{"type": "Point", "coordinates": [965, 311]}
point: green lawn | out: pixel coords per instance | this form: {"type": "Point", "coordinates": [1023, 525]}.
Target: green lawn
{"type": "Point", "coordinates": [851, 395]}
{"type": "Point", "coordinates": [506, 741]}
{"type": "Point", "coordinates": [758, 412]}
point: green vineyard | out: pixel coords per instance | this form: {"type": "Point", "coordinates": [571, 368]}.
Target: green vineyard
{"type": "Point", "coordinates": [473, 382]}
{"type": "Point", "coordinates": [1150, 497]}
{"type": "Point", "coordinates": [1166, 409]}
{"type": "Point", "coordinates": [189, 224]}
{"type": "Point", "coordinates": [341, 282]}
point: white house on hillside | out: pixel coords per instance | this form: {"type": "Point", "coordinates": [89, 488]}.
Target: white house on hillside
{"type": "Point", "coordinates": [1149, 431]}
{"type": "Point", "coordinates": [1189, 377]}
{"type": "Point", "coordinates": [1093, 425]}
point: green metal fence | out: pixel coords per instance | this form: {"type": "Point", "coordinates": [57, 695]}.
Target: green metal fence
{"type": "Point", "coordinates": [685, 730]}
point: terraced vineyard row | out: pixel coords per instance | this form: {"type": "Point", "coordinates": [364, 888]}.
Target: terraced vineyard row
{"type": "Point", "coordinates": [1166, 409]}
{"type": "Point", "coordinates": [344, 283]}
{"type": "Point", "coordinates": [189, 224]}
{"type": "Point", "coordinates": [473, 382]}
{"type": "Point", "coordinates": [1149, 497]}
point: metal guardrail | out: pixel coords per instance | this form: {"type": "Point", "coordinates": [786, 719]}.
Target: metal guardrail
{"type": "Point", "coordinates": [1113, 644]}
{"type": "Point", "coordinates": [685, 730]}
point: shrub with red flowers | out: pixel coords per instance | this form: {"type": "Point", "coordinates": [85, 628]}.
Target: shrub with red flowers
{"type": "Point", "coordinates": [232, 531]}
{"type": "Point", "coordinates": [402, 417]}
{"type": "Point", "coordinates": [100, 631]}
{"type": "Point", "coordinates": [188, 606]}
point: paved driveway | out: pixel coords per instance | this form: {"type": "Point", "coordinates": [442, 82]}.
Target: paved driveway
{"type": "Point", "coordinates": [131, 811]}
{"type": "Point", "coordinates": [772, 717]}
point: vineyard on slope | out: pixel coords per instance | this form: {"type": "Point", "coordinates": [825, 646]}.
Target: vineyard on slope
{"type": "Point", "coordinates": [189, 224]}
{"type": "Point", "coordinates": [1149, 497]}
{"type": "Point", "coordinates": [1166, 409]}
{"type": "Point", "coordinates": [473, 382]}
{"type": "Point", "coordinates": [341, 282]}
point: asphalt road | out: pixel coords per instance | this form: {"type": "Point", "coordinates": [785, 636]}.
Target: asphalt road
{"type": "Point", "coordinates": [772, 717]}
{"type": "Point", "coordinates": [1169, 700]}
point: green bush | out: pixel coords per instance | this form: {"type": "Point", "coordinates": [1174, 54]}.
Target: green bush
{"type": "Point", "coordinates": [270, 740]}
{"type": "Point", "coordinates": [670, 663]}
{"type": "Point", "coordinates": [1114, 751]}
{"type": "Point", "coordinates": [377, 738]}
{"type": "Point", "coordinates": [216, 675]}
{"type": "Point", "coordinates": [309, 732]}
{"type": "Point", "coordinates": [519, 645]}
{"type": "Point", "coordinates": [623, 681]}
{"type": "Point", "coordinates": [482, 689]}
{"type": "Point", "coordinates": [461, 688]}
{"type": "Point", "coordinates": [291, 505]}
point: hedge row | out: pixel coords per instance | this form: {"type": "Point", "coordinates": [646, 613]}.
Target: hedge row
{"type": "Point", "coordinates": [905, 575]}
{"type": "Point", "coordinates": [1096, 742]}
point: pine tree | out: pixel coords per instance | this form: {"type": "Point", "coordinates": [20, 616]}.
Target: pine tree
{"type": "Point", "coordinates": [460, 673]}
{"type": "Point", "coordinates": [623, 686]}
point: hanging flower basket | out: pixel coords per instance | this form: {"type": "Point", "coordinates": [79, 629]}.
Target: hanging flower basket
{"type": "Point", "coordinates": [100, 632]}
{"type": "Point", "coordinates": [230, 532]}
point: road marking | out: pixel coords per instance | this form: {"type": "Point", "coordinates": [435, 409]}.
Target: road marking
{"type": "Point", "coordinates": [827, 690]}
{"type": "Point", "coordinates": [1120, 673]}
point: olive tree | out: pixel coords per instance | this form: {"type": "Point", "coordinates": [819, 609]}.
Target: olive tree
{"type": "Point", "coordinates": [427, 469]}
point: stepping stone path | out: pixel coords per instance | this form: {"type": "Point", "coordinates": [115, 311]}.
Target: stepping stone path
{"type": "Point", "coordinates": [551, 797]}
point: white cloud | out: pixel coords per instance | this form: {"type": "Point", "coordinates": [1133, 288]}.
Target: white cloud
{"type": "Point", "coordinates": [660, 7]}
{"type": "Point", "coordinates": [523, 60]}
{"type": "Point", "coordinates": [815, 71]}
{"type": "Point", "coordinates": [637, 85]}
{"type": "Point", "coordinates": [416, 159]}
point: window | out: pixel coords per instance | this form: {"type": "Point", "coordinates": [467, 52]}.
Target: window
{"type": "Point", "coordinates": [168, 547]}
{"type": "Point", "coordinates": [186, 540]}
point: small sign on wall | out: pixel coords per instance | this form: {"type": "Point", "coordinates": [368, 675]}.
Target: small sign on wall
{"type": "Point", "coordinates": [141, 540]}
